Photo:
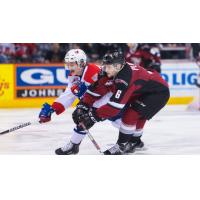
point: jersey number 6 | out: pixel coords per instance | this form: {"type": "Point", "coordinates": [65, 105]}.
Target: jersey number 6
{"type": "Point", "coordinates": [118, 94]}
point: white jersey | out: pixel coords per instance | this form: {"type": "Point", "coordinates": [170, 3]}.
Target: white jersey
{"type": "Point", "coordinates": [66, 99]}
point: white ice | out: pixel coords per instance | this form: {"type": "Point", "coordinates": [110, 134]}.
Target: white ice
{"type": "Point", "coordinates": [172, 131]}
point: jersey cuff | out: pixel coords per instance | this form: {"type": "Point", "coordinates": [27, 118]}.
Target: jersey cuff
{"type": "Point", "coordinates": [58, 108]}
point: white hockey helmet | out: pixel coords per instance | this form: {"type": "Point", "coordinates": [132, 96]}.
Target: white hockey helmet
{"type": "Point", "coordinates": [76, 55]}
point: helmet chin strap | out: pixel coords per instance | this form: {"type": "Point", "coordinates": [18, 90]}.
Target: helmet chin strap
{"type": "Point", "coordinates": [81, 64]}
{"type": "Point", "coordinates": [81, 68]}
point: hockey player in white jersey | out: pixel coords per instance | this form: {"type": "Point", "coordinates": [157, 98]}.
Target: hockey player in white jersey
{"type": "Point", "coordinates": [82, 74]}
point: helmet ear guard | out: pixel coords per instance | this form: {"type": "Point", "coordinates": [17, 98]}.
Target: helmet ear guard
{"type": "Point", "coordinates": [81, 63]}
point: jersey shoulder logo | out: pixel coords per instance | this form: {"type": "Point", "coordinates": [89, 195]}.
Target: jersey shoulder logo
{"type": "Point", "coordinates": [108, 83]}
{"type": "Point", "coordinates": [95, 77]}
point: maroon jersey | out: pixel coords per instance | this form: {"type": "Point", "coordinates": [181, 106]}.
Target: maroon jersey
{"type": "Point", "coordinates": [146, 59]}
{"type": "Point", "coordinates": [129, 84]}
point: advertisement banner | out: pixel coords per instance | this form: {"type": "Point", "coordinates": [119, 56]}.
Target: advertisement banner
{"type": "Point", "coordinates": [40, 81]}
{"type": "Point", "coordinates": [30, 85]}
{"type": "Point", "coordinates": [181, 77]}
{"type": "Point", "coordinates": [6, 83]}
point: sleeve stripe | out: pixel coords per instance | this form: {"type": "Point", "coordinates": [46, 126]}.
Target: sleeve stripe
{"type": "Point", "coordinates": [93, 94]}
{"type": "Point", "coordinates": [83, 76]}
{"type": "Point", "coordinates": [116, 105]}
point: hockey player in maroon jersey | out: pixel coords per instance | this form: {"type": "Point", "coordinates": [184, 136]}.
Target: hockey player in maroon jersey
{"type": "Point", "coordinates": [82, 75]}
{"type": "Point", "coordinates": [138, 95]}
{"type": "Point", "coordinates": [146, 56]}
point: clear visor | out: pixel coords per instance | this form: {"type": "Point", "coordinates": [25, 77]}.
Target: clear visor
{"type": "Point", "coordinates": [70, 66]}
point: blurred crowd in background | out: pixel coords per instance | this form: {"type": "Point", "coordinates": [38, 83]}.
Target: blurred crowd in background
{"type": "Point", "coordinates": [55, 52]}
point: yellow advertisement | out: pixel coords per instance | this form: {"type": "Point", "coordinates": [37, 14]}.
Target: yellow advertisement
{"type": "Point", "coordinates": [20, 91]}
{"type": "Point", "coordinates": [6, 84]}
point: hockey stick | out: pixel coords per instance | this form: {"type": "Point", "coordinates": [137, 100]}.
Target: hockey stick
{"type": "Point", "coordinates": [16, 128]}
{"type": "Point", "coordinates": [92, 138]}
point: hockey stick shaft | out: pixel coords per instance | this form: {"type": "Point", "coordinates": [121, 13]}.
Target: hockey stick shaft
{"type": "Point", "coordinates": [93, 141]}
{"type": "Point", "coordinates": [16, 128]}
{"type": "Point", "coordinates": [91, 138]}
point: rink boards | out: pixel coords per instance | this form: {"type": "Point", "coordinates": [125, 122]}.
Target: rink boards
{"type": "Point", "coordinates": [30, 85]}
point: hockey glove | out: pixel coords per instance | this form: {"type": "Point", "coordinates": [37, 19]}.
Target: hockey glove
{"type": "Point", "coordinates": [78, 89]}
{"type": "Point", "coordinates": [81, 109]}
{"type": "Point", "coordinates": [45, 113]}
{"type": "Point", "coordinates": [89, 119]}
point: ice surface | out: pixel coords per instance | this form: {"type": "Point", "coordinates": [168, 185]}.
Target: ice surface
{"type": "Point", "coordinates": [173, 131]}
